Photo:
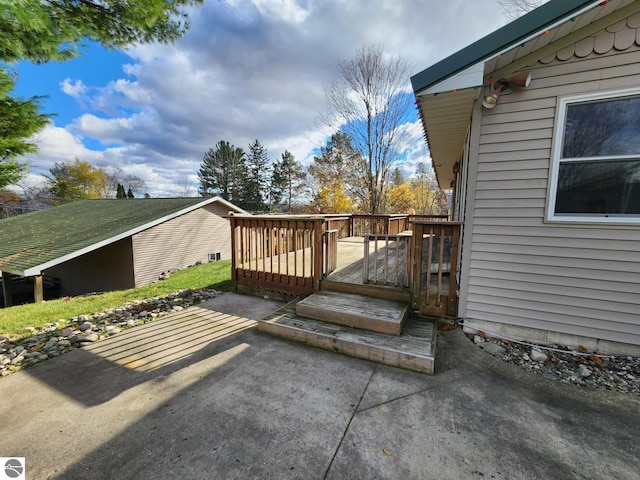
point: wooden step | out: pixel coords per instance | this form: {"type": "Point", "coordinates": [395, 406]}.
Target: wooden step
{"type": "Point", "coordinates": [377, 291]}
{"type": "Point", "coordinates": [414, 349]}
{"type": "Point", "coordinates": [357, 311]}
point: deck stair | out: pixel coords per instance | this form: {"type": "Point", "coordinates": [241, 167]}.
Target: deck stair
{"type": "Point", "coordinates": [358, 311]}
{"type": "Point", "coordinates": [374, 329]}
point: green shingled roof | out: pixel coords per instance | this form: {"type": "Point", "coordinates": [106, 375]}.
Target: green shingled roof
{"type": "Point", "coordinates": [34, 241]}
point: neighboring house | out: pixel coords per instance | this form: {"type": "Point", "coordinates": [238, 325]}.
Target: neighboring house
{"type": "Point", "coordinates": [101, 245]}
{"type": "Point", "coordinates": [546, 177]}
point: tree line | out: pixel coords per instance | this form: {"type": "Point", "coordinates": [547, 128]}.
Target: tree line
{"type": "Point", "coordinates": [335, 181]}
{"type": "Point", "coordinates": [249, 179]}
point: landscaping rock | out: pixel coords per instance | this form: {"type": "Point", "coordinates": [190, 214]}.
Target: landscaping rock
{"type": "Point", "coordinates": [492, 348]}
{"type": "Point", "coordinates": [565, 365]}
{"type": "Point", "coordinates": [537, 355]}
{"type": "Point", "coordinates": [85, 326]}
{"type": "Point", "coordinates": [583, 371]}
{"type": "Point", "coordinates": [89, 337]}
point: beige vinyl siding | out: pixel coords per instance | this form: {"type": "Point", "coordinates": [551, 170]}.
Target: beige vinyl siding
{"type": "Point", "coordinates": [581, 280]}
{"type": "Point", "coordinates": [181, 242]}
{"type": "Point", "coordinates": [105, 269]}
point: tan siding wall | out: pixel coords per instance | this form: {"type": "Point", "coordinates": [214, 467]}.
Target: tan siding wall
{"type": "Point", "coordinates": [105, 269]}
{"type": "Point", "coordinates": [577, 280]}
{"type": "Point", "coordinates": [181, 242]}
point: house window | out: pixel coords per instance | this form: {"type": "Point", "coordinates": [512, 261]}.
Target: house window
{"type": "Point", "coordinates": [214, 257]}
{"type": "Point", "coordinates": [596, 166]}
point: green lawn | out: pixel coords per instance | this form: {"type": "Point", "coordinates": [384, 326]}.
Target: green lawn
{"type": "Point", "coordinates": [215, 275]}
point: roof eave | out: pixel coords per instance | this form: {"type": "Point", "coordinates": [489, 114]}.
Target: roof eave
{"type": "Point", "coordinates": [496, 42]}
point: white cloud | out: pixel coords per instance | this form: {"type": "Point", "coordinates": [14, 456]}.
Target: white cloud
{"type": "Point", "coordinates": [75, 89]}
{"type": "Point", "coordinates": [250, 70]}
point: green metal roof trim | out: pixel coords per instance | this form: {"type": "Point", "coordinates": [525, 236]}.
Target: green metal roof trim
{"type": "Point", "coordinates": [505, 37]}
{"type": "Point", "coordinates": [32, 240]}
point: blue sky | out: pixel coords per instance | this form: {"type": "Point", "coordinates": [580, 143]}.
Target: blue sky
{"type": "Point", "coordinates": [246, 70]}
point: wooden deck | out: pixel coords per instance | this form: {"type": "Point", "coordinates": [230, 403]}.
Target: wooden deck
{"type": "Point", "coordinates": [413, 349]}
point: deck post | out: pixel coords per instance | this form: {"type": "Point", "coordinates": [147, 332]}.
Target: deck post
{"type": "Point", "coordinates": [234, 253]}
{"type": "Point", "coordinates": [6, 289]}
{"type": "Point", "coordinates": [416, 265]}
{"type": "Point", "coordinates": [318, 255]}
{"type": "Point", "coordinates": [452, 307]}
{"type": "Point", "coordinates": [38, 291]}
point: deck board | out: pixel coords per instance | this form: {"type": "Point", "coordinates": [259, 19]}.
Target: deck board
{"type": "Point", "coordinates": [379, 315]}
{"type": "Point", "coordinates": [414, 349]}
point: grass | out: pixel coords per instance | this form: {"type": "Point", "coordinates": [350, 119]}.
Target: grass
{"type": "Point", "coordinates": [13, 320]}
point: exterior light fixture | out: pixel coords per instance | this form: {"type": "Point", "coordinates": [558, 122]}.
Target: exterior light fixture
{"type": "Point", "coordinates": [522, 79]}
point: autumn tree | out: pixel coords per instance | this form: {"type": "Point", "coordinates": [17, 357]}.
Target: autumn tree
{"type": "Point", "coordinates": [10, 204]}
{"type": "Point", "coordinates": [401, 198]}
{"type": "Point", "coordinates": [52, 30]}
{"type": "Point", "coordinates": [371, 102]}
{"type": "Point", "coordinates": [223, 172]}
{"type": "Point", "coordinates": [288, 178]}
{"type": "Point", "coordinates": [75, 181]}
{"type": "Point", "coordinates": [430, 199]}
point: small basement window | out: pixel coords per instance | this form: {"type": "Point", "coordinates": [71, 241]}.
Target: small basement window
{"type": "Point", "coordinates": [595, 174]}
{"type": "Point", "coordinates": [214, 257]}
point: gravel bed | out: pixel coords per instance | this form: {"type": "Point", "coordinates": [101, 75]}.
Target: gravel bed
{"type": "Point", "coordinates": [53, 339]}
{"type": "Point", "coordinates": [583, 368]}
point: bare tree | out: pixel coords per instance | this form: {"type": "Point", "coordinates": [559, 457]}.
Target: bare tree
{"type": "Point", "coordinates": [516, 8]}
{"type": "Point", "coordinates": [185, 188]}
{"type": "Point", "coordinates": [371, 102]}
{"type": "Point", "coordinates": [115, 176]}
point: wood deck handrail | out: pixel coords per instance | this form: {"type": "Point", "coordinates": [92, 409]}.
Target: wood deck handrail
{"type": "Point", "coordinates": [291, 254]}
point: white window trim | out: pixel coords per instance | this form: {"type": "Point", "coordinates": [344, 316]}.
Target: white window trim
{"type": "Point", "coordinates": [555, 160]}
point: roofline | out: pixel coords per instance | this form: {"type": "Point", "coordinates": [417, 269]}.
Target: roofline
{"type": "Point", "coordinates": [511, 34]}
{"type": "Point", "coordinates": [37, 269]}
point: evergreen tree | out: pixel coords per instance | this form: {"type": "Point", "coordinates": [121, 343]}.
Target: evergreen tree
{"type": "Point", "coordinates": [257, 182]}
{"type": "Point", "coordinates": [337, 172]}
{"type": "Point", "coordinates": [397, 178]}
{"type": "Point", "coordinates": [52, 30]}
{"type": "Point", "coordinates": [130, 193]}
{"type": "Point", "coordinates": [288, 178]}
{"type": "Point", "coordinates": [120, 191]}
{"type": "Point", "coordinates": [19, 120]}
{"type": "Point", "coordinates": [223, 172]}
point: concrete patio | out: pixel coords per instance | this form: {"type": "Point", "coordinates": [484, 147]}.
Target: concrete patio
{"type": "Point", "coordinates": [201, 394]}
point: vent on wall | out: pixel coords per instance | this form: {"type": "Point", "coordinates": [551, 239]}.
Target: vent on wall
{"type": "Point", "coordinates": [214, 257]}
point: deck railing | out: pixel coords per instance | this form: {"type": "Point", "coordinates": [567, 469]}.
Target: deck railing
{"type": "Point", "coordinates": [330, 251]}
{"type": "Point", "coordinates": [435, 264]}
{"type": "Point", "coordinates": [341, 223]}
{"type": "Point", "coordinates": [292, 254]}
{"type": "Point", "coordinates": [282, 254]}
{"type": "Point", "coordinates": [378, 224]}
{"type": "Point", "coordinates": [387, 260]}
